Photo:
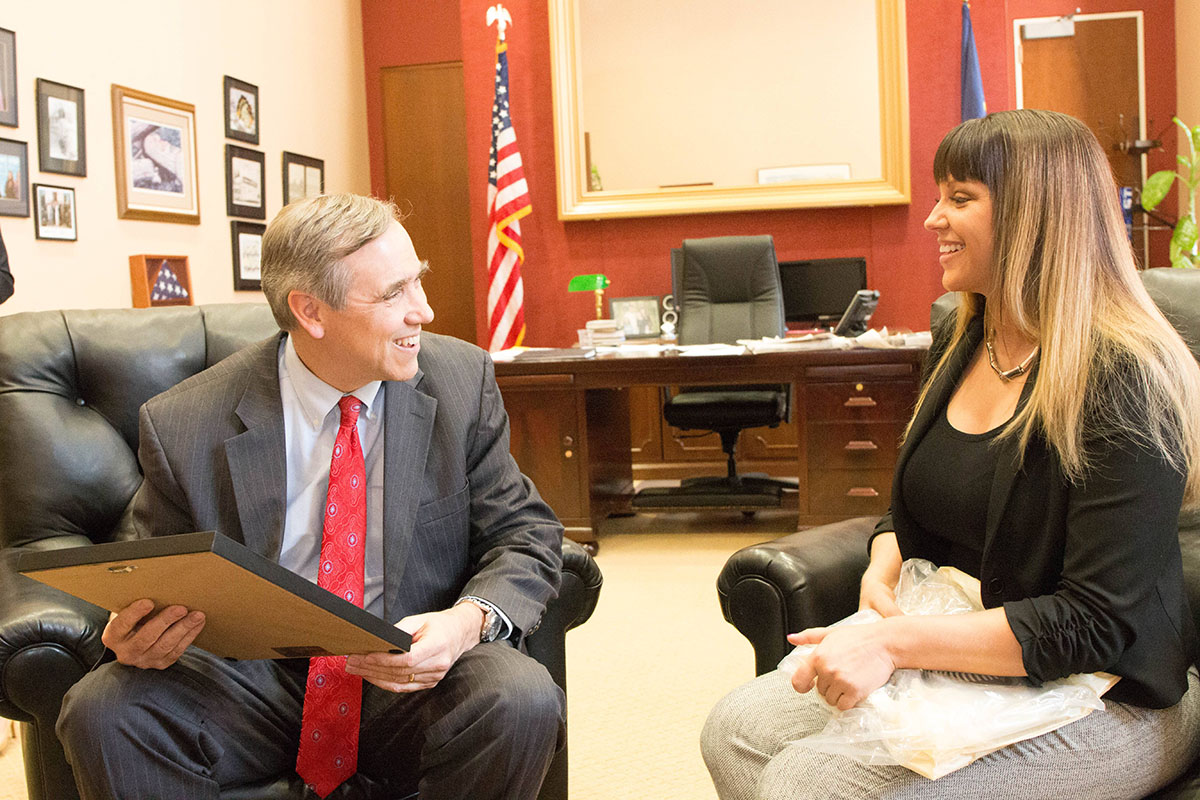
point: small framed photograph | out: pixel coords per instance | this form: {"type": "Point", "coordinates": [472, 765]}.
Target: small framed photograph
{"type": "Point", "coordinates": [247, 254]}
{"type": "Point", "coordinates": [14, 178]}
{"type": "Point", "coordinates": [8, 78]}
{"type": "Point", "coordinates": [244, 171]}
{"type": "Point", "coordinates": [54, 216]}
{"type": "Point", "coordinates": [62, 147]}
{"type": "Point", "coordinates": [637, 316]}
{"type": "Point", "coordinates": [241, 110]}
{"type": "Point", "coordinates": [160, 281]}
{"type": "Point", "coordinates": [155, 143]}
{"type": "Point", "coordinates": [302, 177]}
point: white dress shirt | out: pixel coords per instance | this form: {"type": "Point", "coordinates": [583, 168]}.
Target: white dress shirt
{"type": "Point", "coordinates": [311, 418]}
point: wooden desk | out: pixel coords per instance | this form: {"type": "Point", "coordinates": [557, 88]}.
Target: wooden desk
{"type": "Point", "coordinates": [571, 436]}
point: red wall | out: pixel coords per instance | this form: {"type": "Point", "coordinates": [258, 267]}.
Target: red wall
{"type": "Point", "coordinates": [901, 256]}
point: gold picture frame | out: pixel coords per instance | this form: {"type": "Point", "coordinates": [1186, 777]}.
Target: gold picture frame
{"type": "Point", "coordinates": [155, 149]}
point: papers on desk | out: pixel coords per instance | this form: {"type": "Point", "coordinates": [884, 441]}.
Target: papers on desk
{"type": "Point", "coordinates": [542, 353]}
{"type": "Point", "coordinates": [873, 339]}
{"type": "Point", "coordinates": [711, 349]}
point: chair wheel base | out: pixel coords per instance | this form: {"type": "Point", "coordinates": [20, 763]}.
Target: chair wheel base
{"type": "Point", "coordinates": [711, 495]}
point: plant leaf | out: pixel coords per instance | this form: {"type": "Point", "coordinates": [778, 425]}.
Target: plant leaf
{"type": "Point", "coordinates": [1183, 161]}
{"type": "Point", "coordinates": [1156, 188]}
{"type": "Point", "coordinates": [1184, 237]}
{"type": "Point", "coordinates": [1196, 137]}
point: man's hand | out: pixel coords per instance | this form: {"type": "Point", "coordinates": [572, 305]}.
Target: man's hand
{"type": "Point", "coordinates": [154, 643]}
{"type": "Point", "coordinates": [439, 639]}
{"type": "Point", "coordinates": [847, 665]}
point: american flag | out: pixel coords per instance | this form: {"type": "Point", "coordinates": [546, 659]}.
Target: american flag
{"type": "Point", "coordinates": [508, 202]}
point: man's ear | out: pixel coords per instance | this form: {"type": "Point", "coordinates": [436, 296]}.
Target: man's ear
{"type": "Point", "coordinates": [309, 312]}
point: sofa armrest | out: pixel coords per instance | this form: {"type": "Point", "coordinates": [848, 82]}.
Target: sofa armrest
{"type": "Point", "coordinates": [577, 597]}
{"type": "Point", "coordinates": [48, 639]}
{"type": "Point", "coordinates": [799, 581]}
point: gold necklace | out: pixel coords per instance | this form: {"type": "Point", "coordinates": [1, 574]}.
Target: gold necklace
{"type": "Point", "coordinates": [1007, 374]}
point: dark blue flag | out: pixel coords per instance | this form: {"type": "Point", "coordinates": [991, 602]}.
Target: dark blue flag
{"type": "Point", "coordinates": [973, 104]}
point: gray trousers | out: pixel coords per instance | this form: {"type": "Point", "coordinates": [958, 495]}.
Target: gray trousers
{"type": "Point", "coordinates": [1122, 752]}
{"type": "Point", "coordinates": [488, 730]}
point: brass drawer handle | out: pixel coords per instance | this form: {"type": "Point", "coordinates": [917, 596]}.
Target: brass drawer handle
{"type": "Point", "coordinates": [860, 444]}
{"type": "Point", "coordinates": [859, 402]}
{"type": "Point", "coordinates": [862, 491]}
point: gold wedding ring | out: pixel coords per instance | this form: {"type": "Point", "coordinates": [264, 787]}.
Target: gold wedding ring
{"type": "Point", "coordinates": [412, 677]}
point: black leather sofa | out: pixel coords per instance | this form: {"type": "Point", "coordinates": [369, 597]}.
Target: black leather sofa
{"type": "Point", "coordinates": [810, 578]}
{"type": "Point", "coordinates": [71, 383]}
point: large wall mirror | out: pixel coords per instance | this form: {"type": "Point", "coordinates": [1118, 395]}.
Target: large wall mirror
{"type": "Point", "coordinates": [693, 106]}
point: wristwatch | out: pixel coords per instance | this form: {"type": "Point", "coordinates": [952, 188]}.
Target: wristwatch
{"type": "Point", "coordinates": [491, 619]}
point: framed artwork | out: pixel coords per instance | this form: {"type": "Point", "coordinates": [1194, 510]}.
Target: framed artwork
{"type": "Point", "coordinates": [8, 78]}
{"type": "Point", "coordinates": [14, 178]}
{"type": "Point", "coordinates": [160, 281]}
{"type": "Point", "coordinates": [637, 316]}
{"type": "Point", "coordinates": [244, 171]}
{"type": "Point", "coordinates": [302, 177]}
{"type": "Point", "coordinates": [54, 213]}
{"type": "Point", "coordinates": [155, 143]}
{"type": "Point", "coordinates": [241, 110]}
{"type": "Point", "coordinates": [62, 147]}
{"type": "Point", "coordinates": [247, 254]}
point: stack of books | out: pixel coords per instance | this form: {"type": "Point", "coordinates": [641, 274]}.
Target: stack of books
{"type": "Point", "coordinates": [605, 333]}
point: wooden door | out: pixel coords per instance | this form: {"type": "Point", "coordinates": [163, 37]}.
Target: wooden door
{"type": "Point", "coordinates": [425, 157]}
{"type": "Point", "coordinates": [1094, 76]}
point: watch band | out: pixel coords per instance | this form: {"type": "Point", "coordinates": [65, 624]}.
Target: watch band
{"type": "Point", "coordinates": [492, 623]}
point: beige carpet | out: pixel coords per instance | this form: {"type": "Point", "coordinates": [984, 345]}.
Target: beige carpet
{"type": "Point", "coordinates": [643, 672]}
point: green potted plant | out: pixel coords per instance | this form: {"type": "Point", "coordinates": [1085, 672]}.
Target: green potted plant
{"type": "Point", "coordinates": [1183, 240]}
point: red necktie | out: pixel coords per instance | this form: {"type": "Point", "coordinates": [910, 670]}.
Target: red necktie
{"type": "Point", "coordinates": [328, 752]}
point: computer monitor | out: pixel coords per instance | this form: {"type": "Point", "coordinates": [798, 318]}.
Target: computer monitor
{"type": "Point", "coordinates": [817, 291]}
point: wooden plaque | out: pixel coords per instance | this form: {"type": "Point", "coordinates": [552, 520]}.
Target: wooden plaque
{"type": "Point", "coordinates": [254, 608]}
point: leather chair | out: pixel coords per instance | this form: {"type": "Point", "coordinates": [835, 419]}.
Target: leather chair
{"type": "Point", "coordinates": [810, 578]}
{"type": "Point", "coordinates": [726, 288]}
{"type": "Point", "coordinates": [71, 383]}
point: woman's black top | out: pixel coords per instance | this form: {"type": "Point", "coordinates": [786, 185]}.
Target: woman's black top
{"type": "Point", "coordinates": [946, 484]}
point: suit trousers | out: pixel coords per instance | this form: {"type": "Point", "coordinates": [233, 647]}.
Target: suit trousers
{"type": "Point", "coordinates": [1124, 751]}
{"type": "Point", "coordinates": [489, 729]}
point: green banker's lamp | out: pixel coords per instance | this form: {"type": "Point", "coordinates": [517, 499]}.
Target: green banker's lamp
{"type": "Point", "coordinates": [591, 283]}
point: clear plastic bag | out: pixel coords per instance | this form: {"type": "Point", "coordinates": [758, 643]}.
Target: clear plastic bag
{"type": "Point", "coordinates": [937, 722]}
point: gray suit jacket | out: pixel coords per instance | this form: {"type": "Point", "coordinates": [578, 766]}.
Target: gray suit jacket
{"type": "Point", "coordinates": [459, 517]}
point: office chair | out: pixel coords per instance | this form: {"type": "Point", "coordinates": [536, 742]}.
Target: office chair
{"type": "Point", "coordinates": [726, 288]}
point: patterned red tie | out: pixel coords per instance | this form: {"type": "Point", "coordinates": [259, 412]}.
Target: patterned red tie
{"type": "Point", "coordinates": [328, 752]}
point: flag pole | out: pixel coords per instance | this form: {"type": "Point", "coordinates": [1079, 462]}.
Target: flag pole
{"type": "Point", "coordinates": [508, 203]}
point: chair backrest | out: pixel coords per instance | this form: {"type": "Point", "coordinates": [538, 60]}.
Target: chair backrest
{"type": "Point", "coordinates": [730, 290]}
{"type": "Point", "coordinates": [71, 384]}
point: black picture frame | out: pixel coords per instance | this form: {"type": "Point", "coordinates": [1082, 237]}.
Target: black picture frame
{"type": "Point", "coordinates": [8, 78]}
{"type": "Point", "coordinates": [639, 317]}
{"type": "Point", "coordinates": [62, 141]}
{"type": "Point", "coordinates": [240, 101]}
{"type": "Point", "coordinates": [247, 270]}
{"type": "Point", "coordinates": [55, 215]}
{"type": "Point", "coordinates": [303, 176]}
{"type": "Point", "coordinates": [14, 178]}
{"type": "Point", "coordinates": [245, 190]}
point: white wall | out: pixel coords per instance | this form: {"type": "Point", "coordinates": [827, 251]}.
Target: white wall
{"type": "Point", "coordinates": [306, 58]}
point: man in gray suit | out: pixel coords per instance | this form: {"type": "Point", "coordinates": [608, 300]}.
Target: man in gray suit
{"type": "Point", "coordinates": [459, 548]}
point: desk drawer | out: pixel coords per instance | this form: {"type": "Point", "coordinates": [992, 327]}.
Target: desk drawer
{"type": "Point", "coordinates": [880, 401]}
{"type": "Point", "coordinates": [853, 445]}
{"type": "Point", "coordinates": [851, 492]}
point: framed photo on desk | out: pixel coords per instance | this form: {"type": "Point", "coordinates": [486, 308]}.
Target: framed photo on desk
{"type": "Point", "coordinates": [637, 316]}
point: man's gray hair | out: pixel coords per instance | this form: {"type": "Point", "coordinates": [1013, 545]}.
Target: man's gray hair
{"type": "Point", "coordinates": [305, 245]}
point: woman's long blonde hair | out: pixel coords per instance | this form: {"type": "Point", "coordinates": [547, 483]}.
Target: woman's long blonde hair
{"type": "Point", "coordinates": [1064, 275]}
